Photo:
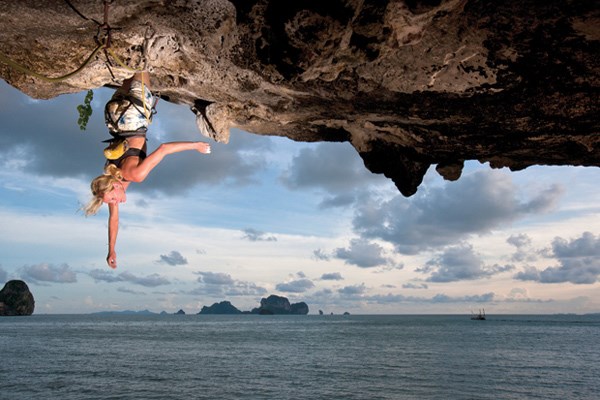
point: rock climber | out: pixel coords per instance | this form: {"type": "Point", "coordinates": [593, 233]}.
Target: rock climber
{"type": "Point", "coordinates": [128, 114]}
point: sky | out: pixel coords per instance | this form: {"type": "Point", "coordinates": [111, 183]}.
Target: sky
{"type": "Point", "coordinates": [266, 215]}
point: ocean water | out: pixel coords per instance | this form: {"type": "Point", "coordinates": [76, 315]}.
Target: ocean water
{"type": "Point", "coordinates": [299, 357]}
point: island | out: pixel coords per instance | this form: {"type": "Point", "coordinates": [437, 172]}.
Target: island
{"type": "Point", "coordinates": [272, 305]}
{"type": "Point", "coordinates": [16, 299]}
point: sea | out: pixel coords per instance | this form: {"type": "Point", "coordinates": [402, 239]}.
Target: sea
{"type": "Point", "coordinates": [299, 357]}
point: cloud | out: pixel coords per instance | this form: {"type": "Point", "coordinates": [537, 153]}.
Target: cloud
{"type": "Point", "coordinates": [238, 288]}
{"type": "Point", "coordinates": [297, 286]}
{"type": "Point", "coordinates": [48, 273]}
{"type": "Point", "coordinates": [460, 263]}
{"type": "Point", "coordinates": [234, 164]}
{"type": "Point", "coordinates": [578, 262]}
{"type": "Point", "coordinates": [342, 200]}
{"type": "Point", "coordinates": [363, 254]}
{"type": "Point", "coordinates": [522, 242]}
{"type": "Point", "coordinates": [257, 236]}
{"type": "Point", "coordinates": [353, 290]}
{"type": "Point", "coordinates": [411, 285]}
{"type": "Point", "coordinates": [173, 258]}
{"type": "Point", "coordinates": [480, 298]}
{"type": "Point", "coordinates": [441, 216]}
{"type": "Point", "coordinates": [152, 280]}
{"type": "Point", "coordinates": [129, 291]}
{"type": "Point", "coordinates": [332, 168]}
{"type": "Point", "coordinates": [222, 284]}
{"type": "Point", "coordinates": [3, 275]}
{"type": "Point", "coordinates": [518, 294]}
{"type": "Point", "coordinates": [333, 276]}
{"type": "Point", "coordinates": [215, 278]}
{"type": "Point", "coordinates": [437, 299]}
{"type": "Point", "coordinates": [320, 255]}
{"type": "Point", "coordinates": [245, 289]}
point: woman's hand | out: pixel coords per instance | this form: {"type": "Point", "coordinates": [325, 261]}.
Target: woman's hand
{"type": "Point", "coordinates": [203, 147]}
{"type": "Point", "coordinates": [111, 259]}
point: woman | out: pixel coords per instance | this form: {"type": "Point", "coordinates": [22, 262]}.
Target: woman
{"type": "Point", "coordinates": [128, 114]}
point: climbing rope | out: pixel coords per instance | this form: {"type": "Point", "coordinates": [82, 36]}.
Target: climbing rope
{"type": "Point", "coordinates": [102, 45]}
{"type": "Point", "coordinates": [27, 71]}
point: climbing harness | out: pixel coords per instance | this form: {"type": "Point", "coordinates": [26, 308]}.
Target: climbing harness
{"type": "Point", "coordinates": [117, 107]}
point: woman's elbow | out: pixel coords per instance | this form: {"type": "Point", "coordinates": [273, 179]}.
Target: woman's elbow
{"type": "Point", "coordinates": [137, 177]}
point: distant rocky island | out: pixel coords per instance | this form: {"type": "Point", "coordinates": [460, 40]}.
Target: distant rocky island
{"type": "Point", "coordinates": [16, 299]}
{"type": "Point", "coordinates": [272, 305]}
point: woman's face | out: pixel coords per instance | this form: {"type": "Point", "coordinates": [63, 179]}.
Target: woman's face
{"type": "Point", "coordinates": [116, 195]}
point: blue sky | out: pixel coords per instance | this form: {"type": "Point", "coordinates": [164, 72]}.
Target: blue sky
{"type": "Point", "coordinates": [266, 215]}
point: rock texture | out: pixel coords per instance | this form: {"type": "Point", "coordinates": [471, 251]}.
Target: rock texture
{"type": "Point", "coordinates": [408, 83]}
{"type": "Point", "coordinates": [275, 305]}
{"type": "Point", "coordinates": [224, 307]}
{"type": "Point", "coordinates": [16, 299]}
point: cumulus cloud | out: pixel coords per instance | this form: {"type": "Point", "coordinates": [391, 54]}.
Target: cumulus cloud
{"type": "Point", "coordinates": [257, 236]}
{"type": "Point", "coordinates": [578, 262]}
{"type": "Point", "coordinates": [364, 254]}
{"type": "Point", "coordinates": [245, 289]}
{"type": "Point", "coordinates": [411, 285]}
{"type": "Point", "coordinates": [332, 276]}
{"type": "Point", "coordinates": [460, 263]}
{"type": "Point", "coordinates": [518, 294]}
{"type": "Point", "coordinates": [48, 273]}
{"type": "Point", "coordinates": [152, 280]}
{"type": "Point", "coordinates": [215, 278]}
{"type": "Point", "coordinates": [320, 255]}
{"type": "Point", "coordinates": [173, 258]}
{"type": "Point", "coordinates": [523, 243]}
{"type": "Point", "coordinates": [295, 286]}
{"type": "Point", "coordinates": [222, 284]}
{"type": "Point", "coordinates": [441, 216]}
{"type": "Point", "coordinates": [342, 200]}
{"type": "Point", "coordinates": [438, 298]}
{"type": "Point", "coordinates": [334, 169]}
{"type": "Point", "coordinates": [520, 240]}
{"type": "Point", "coordinates": [353, 290]}
{"type": "Point", "coordinates": [235, 164]}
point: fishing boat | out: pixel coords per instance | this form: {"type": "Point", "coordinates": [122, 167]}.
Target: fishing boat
{"type": "Point", "coordinates": [478, 317]}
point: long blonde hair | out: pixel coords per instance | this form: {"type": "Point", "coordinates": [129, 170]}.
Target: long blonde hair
{"type": "Point", "coordinates": [101, 185]}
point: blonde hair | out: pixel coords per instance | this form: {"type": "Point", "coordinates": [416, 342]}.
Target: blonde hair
{"type": "Point", "coordinates": [101, 185]}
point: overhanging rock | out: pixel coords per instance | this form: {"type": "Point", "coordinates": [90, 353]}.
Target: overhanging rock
{"type": "Point", "coordinates": [408, 83]}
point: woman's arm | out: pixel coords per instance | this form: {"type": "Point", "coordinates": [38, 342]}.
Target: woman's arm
{"type": "Point", "coordinates": [138, 172]}
{"type": "Point", "coordinates": [113, 229]}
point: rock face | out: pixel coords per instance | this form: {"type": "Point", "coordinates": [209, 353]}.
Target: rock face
{"type": "Point", "coordinates": [276, 305]}
{"type": "Point", "coordinates": [16, 299]}
{"type": "Point", "coordinates": [409, 83]}
{"type": "Point", "coordinates": [224, 307]}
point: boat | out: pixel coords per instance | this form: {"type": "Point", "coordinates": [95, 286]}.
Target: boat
{"type": "Point", "coordinates": [478, 317]}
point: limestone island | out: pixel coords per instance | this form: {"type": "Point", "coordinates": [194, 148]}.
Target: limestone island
{"type": "Point", "coordinates": [16, 299]}
{"type": "Point", "coordinates": [272, 305]}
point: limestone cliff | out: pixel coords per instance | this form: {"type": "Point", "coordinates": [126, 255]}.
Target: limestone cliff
{"type": "Point", "coordinates": [409, 83]}
{"type": "Point", "coordinates": [275, 305]}
{"type": "Point", "coordinates": [16, 299]}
